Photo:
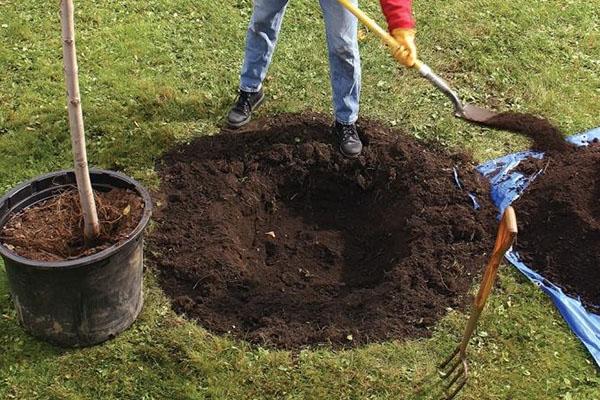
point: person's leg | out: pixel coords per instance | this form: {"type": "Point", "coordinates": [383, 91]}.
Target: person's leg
{"type": "Point", "coordinates": [261, 39]}
{"type": "Point", "coordinates": [344, 65]}
{"type": "Point", "coordinates": [344, 60]}
{"type": "Point", "coordinates": [260, 45]}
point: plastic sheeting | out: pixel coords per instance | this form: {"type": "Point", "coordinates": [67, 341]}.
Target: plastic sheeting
{"type": "Point", "coordinates": [507, 186]}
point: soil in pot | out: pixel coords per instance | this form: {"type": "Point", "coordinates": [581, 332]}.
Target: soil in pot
{"type": "Point", "coordinates": [52, 230]}
{"type": "Point", "coordinates": [270, 235]}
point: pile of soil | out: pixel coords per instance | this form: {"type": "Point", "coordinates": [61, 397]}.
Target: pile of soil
{"type": "Point", "coordinates": [52, 230]}
{"type": "Point", "coordinates": [270, 235]}
{"type": "Point", "coordinates": [559, 213]}
{"type": "Point", "coordinates": [559, 223]}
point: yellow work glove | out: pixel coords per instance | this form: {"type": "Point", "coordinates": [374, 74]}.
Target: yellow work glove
{"type": "Point", "coordinates": [407, 53]}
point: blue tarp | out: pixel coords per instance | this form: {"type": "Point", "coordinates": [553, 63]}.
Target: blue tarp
{"type": "Point", "coordinates": [507, 186]}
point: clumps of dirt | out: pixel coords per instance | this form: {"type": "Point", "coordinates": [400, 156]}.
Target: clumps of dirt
{"type": "Point", "coordinates": [545, 136]}
{"type": "Point", "coordinates": [52, 230]}
{"type": "Point", "coordinates": [559, 223]}
{"type": "Point", "coordinates": [270, 235]}
{"type": "Point", "coordinates": [532, 166]}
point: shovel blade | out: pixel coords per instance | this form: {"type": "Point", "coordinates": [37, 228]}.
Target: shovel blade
{"type": "Point", "coordinates": [476, 114]}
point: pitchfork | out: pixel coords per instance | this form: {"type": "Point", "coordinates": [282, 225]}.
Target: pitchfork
{"type": "Point", "coordinates": [458, 372]}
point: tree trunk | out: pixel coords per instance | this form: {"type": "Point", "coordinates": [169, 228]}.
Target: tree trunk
{"type": "Point", "coordinates": [84, 185]}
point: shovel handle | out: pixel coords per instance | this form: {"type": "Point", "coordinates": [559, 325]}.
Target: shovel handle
{"type": "Point", "coordinates": [373, 26]}
{"type": "Point", "coordinates": [379, 31]}
{"type": "Point", "coordinates": [425, 71]}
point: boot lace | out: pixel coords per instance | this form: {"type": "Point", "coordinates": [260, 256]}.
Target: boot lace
{"type": "Point", "coordinates": [348, 132]}
{"type": "Point", "coordinates": [243, 103]}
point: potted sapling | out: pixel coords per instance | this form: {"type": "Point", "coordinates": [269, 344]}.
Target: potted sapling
{"type": "Point", "coordinates": [72, 241]}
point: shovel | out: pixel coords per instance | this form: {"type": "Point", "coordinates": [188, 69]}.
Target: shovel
{"type": "Point", "coordinates": [467, 112]}
{"type": "Point", "coordinates": [454, 368]}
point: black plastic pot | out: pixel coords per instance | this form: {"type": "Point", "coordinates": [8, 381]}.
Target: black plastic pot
{"type": "Point", "coordinates": [79, 302]}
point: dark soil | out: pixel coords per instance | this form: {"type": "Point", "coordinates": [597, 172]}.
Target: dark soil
{"type": "Point", "coordinates": [270, 235]}
{"type": "Point", "coordinates": [559, 223]}
{"type": "Point", "coordinates": [559, 213]}
{"type": "Point", "coordinates": [545, 136]}
{"type": "Point", "coordinates": [52, 230]}
{"type": "Point", "coordinates": [532, 166]}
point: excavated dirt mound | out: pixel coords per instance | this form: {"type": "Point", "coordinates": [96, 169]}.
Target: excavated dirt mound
{"type": "Point", "coordinates": [559, 214]}
{"type": "Point", "coordinates": [270, 235]}
{"type": "Point", "coordinates": [559, 222]}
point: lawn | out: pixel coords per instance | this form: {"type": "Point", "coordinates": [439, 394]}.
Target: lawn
{"type": "Point", "coordinates": [160, 72]}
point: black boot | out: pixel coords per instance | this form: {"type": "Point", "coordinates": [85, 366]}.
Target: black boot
{"type": "Point", "coordinates": [348, 140]}
{"type": "Point", "coordinates": [242, 109]}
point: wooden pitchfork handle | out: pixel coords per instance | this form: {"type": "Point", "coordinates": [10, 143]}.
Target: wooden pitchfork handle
{"type": "Point", "coordinates": [507, 232]}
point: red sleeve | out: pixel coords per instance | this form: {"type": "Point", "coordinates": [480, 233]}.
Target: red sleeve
{"type": "Point", "coordinates": [398, 13]}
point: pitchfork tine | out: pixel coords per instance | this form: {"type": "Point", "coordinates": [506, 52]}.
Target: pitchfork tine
{"type": "Point", "coordinates": [460, 372]}
{"type": "Point", "coordinates": [458, 389]}
{"type": "Point", "coordinates": [507, 232]}
{"type": "Point", "coordinates": [452, 369]}
{"type": "Point", "coordinates": [447, 361]}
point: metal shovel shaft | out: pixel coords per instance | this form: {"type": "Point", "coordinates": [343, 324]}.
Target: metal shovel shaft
{"type": "Point", "coordinates": [443, 86]}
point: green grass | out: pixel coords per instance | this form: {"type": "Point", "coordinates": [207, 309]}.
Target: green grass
{"type": "Point", "coordinates": [159, 72]}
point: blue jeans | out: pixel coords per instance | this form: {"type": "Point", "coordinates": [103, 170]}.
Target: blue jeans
{"type": "Point", "coordinates": [342, 43]}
